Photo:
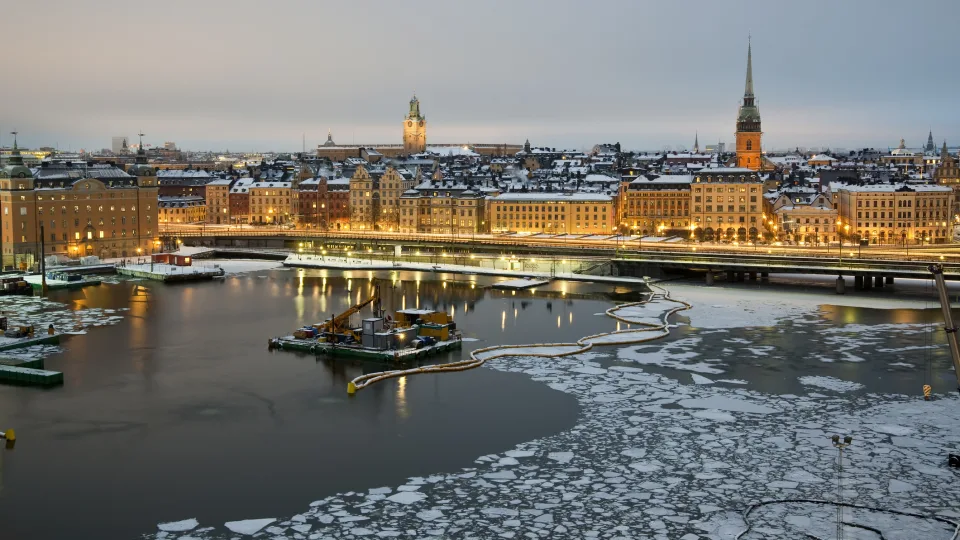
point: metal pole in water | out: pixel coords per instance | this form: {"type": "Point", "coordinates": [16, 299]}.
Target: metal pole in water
{"type": "Point", "coordinates": [840, 446]}
{"type": "Point", "coordinates": [951, 329]}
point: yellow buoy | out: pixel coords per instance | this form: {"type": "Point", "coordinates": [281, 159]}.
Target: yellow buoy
{"type": "Point", "coordinates": [351, 388]}
{"type": "Point", "coordinates": [927, 390]}
{"type": "Point", "coordinates": [10, 435]}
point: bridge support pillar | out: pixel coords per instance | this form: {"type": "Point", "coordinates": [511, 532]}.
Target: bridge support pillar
{"type": "Point", "coordinates": [867, 283]}
{"type": "Point", "coordinates": [753, 276]}
{"type": "Point", "coordinates": [764, 276]}
{"type": "Point", "coordinates": [841, 285]}
{"type": "Point", "coordinates": [731, 275]}
{"type": "Point", "coordinates": [709, 278]}
{"type": "Point", "coordinates": [878, 282]}
{"type": "Point", "coordinates": [858, 282]}
{"type": "Point", "coordinates": [889, 280]}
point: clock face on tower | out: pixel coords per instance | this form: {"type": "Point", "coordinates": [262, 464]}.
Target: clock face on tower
{"type": "Point", "coordinates": [421, 123]}
{"type": "Point", "coordinates": [409, 123]}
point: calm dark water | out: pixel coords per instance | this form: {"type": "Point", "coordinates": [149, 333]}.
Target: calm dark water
{"type": "Point", "coordinates": [180, 411]}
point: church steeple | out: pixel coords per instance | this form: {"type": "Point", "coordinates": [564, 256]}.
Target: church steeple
{"type": "Point", "coordinates": [696, 142]}
{"type": "Point", "coordinates": [749, 134]}
{"type": "Point", "coordinates": [930, 147]}
{"type": "Point", "coordinates": [141, 153]}
{"type": "Point", "coordinates": [15, 157]}
{"type": "Point", "coordinates": [749, 117]}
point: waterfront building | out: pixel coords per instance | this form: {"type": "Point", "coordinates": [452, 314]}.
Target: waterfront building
{"type": "Point", "coordinates": [182, 209]}
{"type": "Point", "coordinates": [239, 199]}
{"type": "Point", "coordinates": [272, 203]}
{"type": "Point", "coordinates": [325, 203]}
{"type": "Point", "coordinates": [804, 215]}
{"type": "Point", "coordinates": [727, 205]}
{"type": "Point", "coordinates": [218, 201]}
{"type": "Point", "coordinates": [81, 209]}
{"type": "Point", "coordinates": [444, 207]}
{"type": "Point", "coordinates": [375, 196]}
{"type": "Point", "coordinates": [555, 213]}
{"type": "Point", "coordinates": [656, 205]}
{"type": "Point", "coordinates": [896, 213]}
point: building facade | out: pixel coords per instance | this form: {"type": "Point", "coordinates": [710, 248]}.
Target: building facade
{"type": "Point", "coordinates": [440, 207]}
{"type": "Point", "coordinates": [727, 205]}
{"type": "Point", "coordinates": [896, 213]}
{"type": "Point", "coordinates": [659, 205]}
{"type": "Point", "coordinates": [807, 218]}
{"type": "Point", "coordinates": [748, 133]}
{"type": "Point", "coordinates": [73, 210]}
{"type": "Point", "coordinates": [375, 196]}
{"type": "Point", "coordinates": [174, 210]}
{"type": "Point", "coordinates": [239, 199]}
{"type": "Point", "coordinates": [218, 201]}
{"type": "Point", "coordinates": [273, 203]}
{"type": "Point", "coordinates": [557, 213]}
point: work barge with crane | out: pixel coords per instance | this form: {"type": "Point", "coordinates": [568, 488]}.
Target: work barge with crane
{"type": "Point", "coordinates": [407, 335]}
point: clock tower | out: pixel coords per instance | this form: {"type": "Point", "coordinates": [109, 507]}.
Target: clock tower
{"type": "Point", "coordinates": [414, 129]}
{"type": "Point", "coordinates": [748, 124]}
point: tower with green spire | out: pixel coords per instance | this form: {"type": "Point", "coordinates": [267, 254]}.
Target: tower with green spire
{"type": "Point", "coordinates": [15, 167]}
{"type": "Point", "coordinates": [748, 133]}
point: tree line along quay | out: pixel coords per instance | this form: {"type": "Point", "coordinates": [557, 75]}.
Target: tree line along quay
{"type": "Point", "coordinates": [117, 202]}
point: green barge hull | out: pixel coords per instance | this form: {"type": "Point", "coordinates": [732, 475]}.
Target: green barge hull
{"type": "Point", "coordinates": [290, 343]}
{"type": "Point", "coordinates": [29, 376]}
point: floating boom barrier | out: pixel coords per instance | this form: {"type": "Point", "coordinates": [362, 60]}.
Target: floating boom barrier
{"type": "Point", "coordinates": [648, 332]}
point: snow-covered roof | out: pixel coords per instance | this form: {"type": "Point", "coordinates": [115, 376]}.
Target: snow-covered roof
{"type": "Point", "coordinates": [451, 151]}
{"type": "Point", "coordinates": [822, 157]}
{"type": "Point", "coordinates": [579, 197]}
{"type": "Point", "coordinates": [889, 188]}
{"type": "Point", "coordinates": [220, 182]}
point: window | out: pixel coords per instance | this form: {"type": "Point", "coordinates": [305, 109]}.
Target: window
{"type": "Point", "coordinates": [749, 145]}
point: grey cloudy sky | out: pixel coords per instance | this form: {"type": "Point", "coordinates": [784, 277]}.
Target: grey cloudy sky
{"type": "Point", "coordinates": [250, 74]}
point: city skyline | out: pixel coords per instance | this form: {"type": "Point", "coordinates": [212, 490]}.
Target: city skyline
{"type": "Point", "coordinates": [563, 77]}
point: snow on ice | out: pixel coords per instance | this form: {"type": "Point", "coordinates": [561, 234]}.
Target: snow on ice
{"type": "Point", "coordinates": [653, 456]}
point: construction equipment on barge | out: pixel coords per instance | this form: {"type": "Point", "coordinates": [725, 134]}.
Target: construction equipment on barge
{"type": "Point", "coordinates": [408, 335]}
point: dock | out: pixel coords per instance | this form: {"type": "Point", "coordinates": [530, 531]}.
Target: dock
{"type": "Point", "coordinates": [36, 282]}
{"type": "Point", "coordinates": [30, 376]}
{"type": "Point", "coordinates": [521, 283]}
{"type": "Point", "coordinates": [409, 354]}
{"type": "Point", "coordinates": [169, 273]}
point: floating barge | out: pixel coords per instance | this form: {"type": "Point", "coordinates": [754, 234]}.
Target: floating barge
{"type": "Point", "coordinates": [290, 343]}
{"type": "Point", "coordinates": [409, 335]}
{"type": "Point", "coordinates": [30, 376]}
{"type": "Point", "coordinates": [170, 273]}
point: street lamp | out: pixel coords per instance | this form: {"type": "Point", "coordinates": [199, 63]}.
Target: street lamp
{"type": "Point", "coordinates": [840, 445]}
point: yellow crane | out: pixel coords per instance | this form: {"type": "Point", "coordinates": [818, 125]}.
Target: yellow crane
{"type": "Point", "coordinates": [338, 324]}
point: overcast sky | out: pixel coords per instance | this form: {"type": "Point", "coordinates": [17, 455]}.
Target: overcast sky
{"type": "Point", "coordinates": [256, 75]}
